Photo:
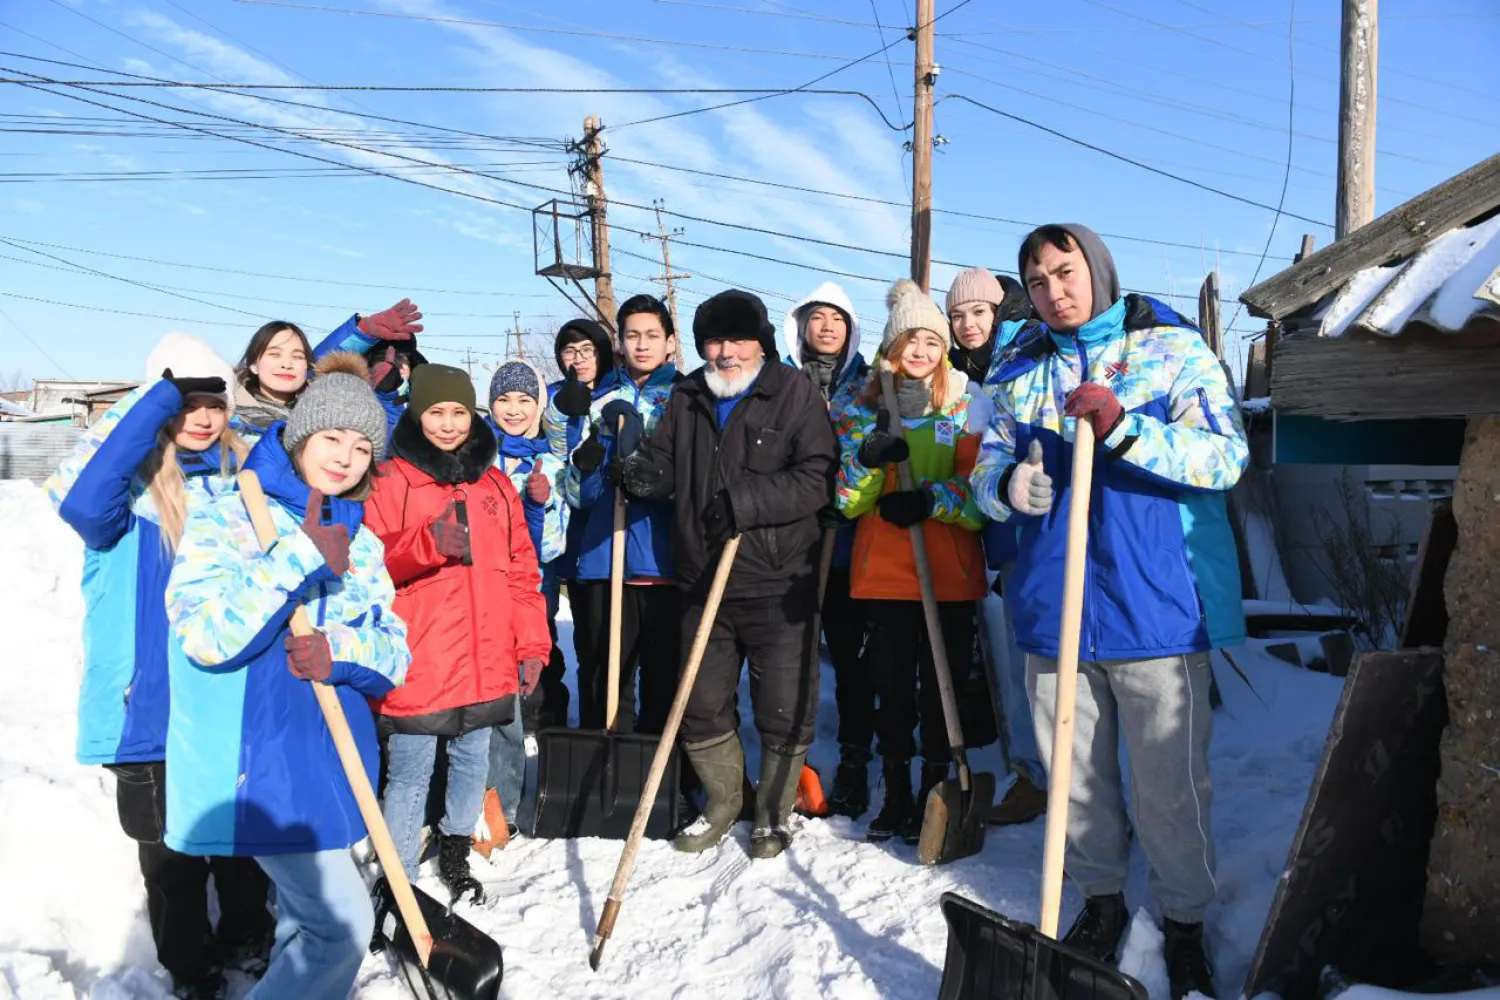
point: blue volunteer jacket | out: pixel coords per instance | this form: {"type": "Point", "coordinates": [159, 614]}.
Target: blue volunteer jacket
{"type": "Point", "coordinates": [648, 523]}
{"type": "Point", "coordinates": [122, 703]}
{"type": "Point", "coordinates": [251, 769]}
{"type": "Point", "coordinates": [1162, 574]}
{"type": "Point", "coordinates": [563, 434]}
{"type": "Point", "coordinates": [547, 523]}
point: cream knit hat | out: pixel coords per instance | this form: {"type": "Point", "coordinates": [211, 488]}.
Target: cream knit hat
{"type": "Point", "coordinates": [913, 309]}
{"type": "Point", "coordinates": [974, 285]}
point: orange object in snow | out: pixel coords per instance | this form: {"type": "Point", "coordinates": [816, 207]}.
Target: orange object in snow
{"type": "Point", "coordinates": [494, 818]}
{"type": "Point", "coordinates": [810, 801]}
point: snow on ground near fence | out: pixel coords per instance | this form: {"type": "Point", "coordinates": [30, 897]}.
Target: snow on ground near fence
{"type": "Point", "coordinates": [834, 917]}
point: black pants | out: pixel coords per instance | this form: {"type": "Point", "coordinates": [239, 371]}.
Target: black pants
{"type": "Point", "coordinates": [648, 643]}
{"type": "Point", "coordinates": [898, 654]}
{"type": "Point", "coordinates": [548, 705]}
{"type": "Point", "coordinates": [177, 884]}
{"type": "Point", "coordinates": [776, 635]}
{"type": "Point", "coordinates": [853, 684]}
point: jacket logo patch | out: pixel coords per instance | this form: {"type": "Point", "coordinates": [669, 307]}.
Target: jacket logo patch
{"type": "Point", "coordinates": [490, 504]}
{"type": "Point", "coordinates": [1117, 370]}
{"type": "Point", "coordinates": [944, 433]}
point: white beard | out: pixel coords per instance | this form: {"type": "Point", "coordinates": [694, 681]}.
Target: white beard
{"type": "Point", "coordinates": [726, 388]}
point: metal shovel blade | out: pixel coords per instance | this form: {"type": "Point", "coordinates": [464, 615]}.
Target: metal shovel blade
{"type": "Point", "coordinates": [953, 828]}
{"type": "Point", "coordinates": [465, 963]}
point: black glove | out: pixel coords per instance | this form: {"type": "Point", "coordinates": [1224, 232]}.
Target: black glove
{"type": "Point", "coordinates": [588, 455]}
{"type": "Point", "coordinates": [833, 518]}
{"type": "Point", "coordinates": [880, 446]}
{"type": "Point", "coordinates": [573, 397]}
{"type": "Point", "coordinates": [905, 508]}
{"type": "Point", "coordinates": [718, 518]}
{"type": "Point", "coordinates": [639, 476]}
{"type": "Point", "coordinates": [212, 385]}
{"type": "Point", "coordinates": [385, 374]}
{"type": "Point", "coordinates": [628, 436]}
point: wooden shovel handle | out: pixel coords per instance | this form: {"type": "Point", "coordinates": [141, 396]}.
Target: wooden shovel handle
{"type": "Point", "coordinates": [616, 599]}
{"type": "Point", "coordinates": [929, 595]}
{"type": "Point", "coordinates": [1061, 774]}
{"type": "Point", "coordinates": [343, 741]}
{"type": "Point", "coordinates": [663, 751]}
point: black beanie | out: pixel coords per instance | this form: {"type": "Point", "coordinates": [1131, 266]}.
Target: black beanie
{"type": "Point", "coordinates": [734, 315]}
{"type": "Point", "coordinates": [574, 330]}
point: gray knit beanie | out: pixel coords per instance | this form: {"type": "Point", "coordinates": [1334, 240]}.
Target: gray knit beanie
{"type": "Point", "coordinates": [515, 376]}
{"type": "Point", "coordinates": [339, 398]}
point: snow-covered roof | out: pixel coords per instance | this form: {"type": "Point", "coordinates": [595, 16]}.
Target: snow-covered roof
{"type": "Point", "coordinates": [13, 409]}
{"type": "Point", "coordinates": [1451, 285]}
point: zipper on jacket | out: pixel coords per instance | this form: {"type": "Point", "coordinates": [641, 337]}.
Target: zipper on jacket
{"type": "Point", "coordinates": [461, 502]}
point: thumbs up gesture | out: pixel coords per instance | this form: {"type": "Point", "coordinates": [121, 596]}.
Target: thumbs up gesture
{"type": "Point", "coordinates": [1030, 488]}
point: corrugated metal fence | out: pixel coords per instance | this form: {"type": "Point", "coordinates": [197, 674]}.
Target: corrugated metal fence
{"type": "Point", "coordinates": [32, 451]}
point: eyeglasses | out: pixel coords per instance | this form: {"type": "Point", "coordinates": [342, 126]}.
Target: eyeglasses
{"type": "Point", "coordinates": [583, 352]}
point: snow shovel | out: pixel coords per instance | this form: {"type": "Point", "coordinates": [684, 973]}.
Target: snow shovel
{"type": "Point", "coordinates": [589, 783]}
{"type": "Point", "coordinates": [611, 911]}
{"type": "Point", "coordinates": [953, 817]}
{"type": "Point", "coordinates": [458, 961]}
{"type": "Point", "coordinates": [991, 957]}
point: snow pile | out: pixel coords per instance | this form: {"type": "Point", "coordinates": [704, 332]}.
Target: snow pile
{"type": "Point", "coordinates": [834, 917]}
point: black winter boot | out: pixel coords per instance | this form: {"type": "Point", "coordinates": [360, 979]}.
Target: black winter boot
{"type": "Point", "coordinates": [453, 868]}
{"type": "Point", "coordinates": [1188, 970]}
{"type": "Point", "coordinates": [931, 775]}
{"type": "Point", "coordinates": [210, 987]}
{"type": "Point", "coordinates": [851, 784]}
{"type": "Point", "coordinates": [1099, 927]}
{"type": "Point", "coordinates": [895, 812]}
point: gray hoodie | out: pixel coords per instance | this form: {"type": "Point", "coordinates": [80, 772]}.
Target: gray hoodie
{"type": "Point", "coordinates": [1106, 280]}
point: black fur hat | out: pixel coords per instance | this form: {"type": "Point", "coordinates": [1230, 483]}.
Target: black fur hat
{"type": "Point", "coordinates": [734, 315]}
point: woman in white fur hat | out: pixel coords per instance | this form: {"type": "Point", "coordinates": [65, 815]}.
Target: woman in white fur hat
{"type": "Point", "coordinates": [127, 489]}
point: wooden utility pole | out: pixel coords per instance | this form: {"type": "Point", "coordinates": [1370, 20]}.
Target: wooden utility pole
{"type": "Point", "coordinates": [517, 351]}
{"type": "Point", "coordinates": [921, 147]}
{"type": "Point", "coordinates": [1359, 57]}
{"type": "Point", "coordinates": [604, 286]}
{"type": "Point", "coordinates": [468, 361]}
{"type": "Point", "coordinates": [668, 277]}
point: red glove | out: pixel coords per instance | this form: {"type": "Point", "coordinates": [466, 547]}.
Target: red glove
{"type": "Point", "coordinates": [401, 321]}
{"type": "Point", "coordinates": [332, 540]}
{"type": "Point", "coordinates": [538, 490]}
{"type": "Point", "coordinates": [309, 657]}
{"type": "Point", "coordinates": [1098, 405]}
{"type": "Point", "coordinates": [385, 374]}
{"type": "Point", "coordinates": [450, 534]}
{"type": "Point", "coordinates": [531, 672]}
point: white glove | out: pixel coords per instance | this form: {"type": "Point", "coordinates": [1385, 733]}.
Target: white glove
{"type": "Point", "coordinates": [1030, 489]}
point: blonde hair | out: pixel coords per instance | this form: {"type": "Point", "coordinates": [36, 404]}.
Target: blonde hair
{"type": "Point", "coordinates": [167, 485]}
{"type": "Point", "coordinates": [891, 361]}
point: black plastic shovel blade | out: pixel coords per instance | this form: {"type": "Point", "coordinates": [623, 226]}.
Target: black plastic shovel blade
{"type": "Point", "coordinates": [465, 963]}
{"type": "Point", "coordinates": [952, 827]}
{"type": "Point", "coordinates": [991, 957]}
{"type": "Point", "coordinates": [589, 783]}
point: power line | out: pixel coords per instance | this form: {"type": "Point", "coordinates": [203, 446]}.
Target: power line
{"type": "Point", "coordinates": [1291, 112]}
{"type": "Point", "coordinates": [798, 15]}
{"type": "Point", "coordinates": [814, 81]}
{"type": "Point", "coordinates": [392, 286]}
{"type": "Point", "coordinates": [1133, 162]}
{"type": "Point", "coordinates": [120, 312]}
{"type": "Point", "coordinates": [39, 349]}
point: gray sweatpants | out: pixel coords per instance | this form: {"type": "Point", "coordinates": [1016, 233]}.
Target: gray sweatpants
{"type": "Point", "coordinates": [1161, 706]}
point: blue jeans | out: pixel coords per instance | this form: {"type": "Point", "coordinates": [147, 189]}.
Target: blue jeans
{"type": "Point", "coordinates": [409, 763]}
{"type": "Point", "coordinates": [325, 919]}
{"type": "Point", "coordinates": [1018, 737]}
{"type": "Point", "coordinates": [508, 765]}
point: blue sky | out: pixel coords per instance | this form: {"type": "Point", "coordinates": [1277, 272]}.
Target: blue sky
{"type": "Point", "coordinates": [1198, 88]}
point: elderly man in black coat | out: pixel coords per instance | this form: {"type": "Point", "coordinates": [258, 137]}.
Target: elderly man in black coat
{"type": "Point", "coordinates": [744, 448]}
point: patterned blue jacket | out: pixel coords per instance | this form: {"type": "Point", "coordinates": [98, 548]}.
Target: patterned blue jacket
{"type": "Point", "coordinates": [251, 769]}
{"type": "Point", "coordinates": [122, 703]}
{"type": "Point", "coordinates": [648, 523]}
{"type": "Point", "coordinates": [1163, 575]}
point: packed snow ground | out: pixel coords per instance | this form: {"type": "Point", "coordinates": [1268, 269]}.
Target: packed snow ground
{"type": "Point", "coordinates": [833, 917]}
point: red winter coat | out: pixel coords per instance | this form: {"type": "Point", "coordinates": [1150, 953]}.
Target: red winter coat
{"type": "Point", "coordinates": [469, 627]}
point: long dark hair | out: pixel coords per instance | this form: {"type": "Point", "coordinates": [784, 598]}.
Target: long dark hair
{"type": "Point", "coordinates": [261, 340]}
